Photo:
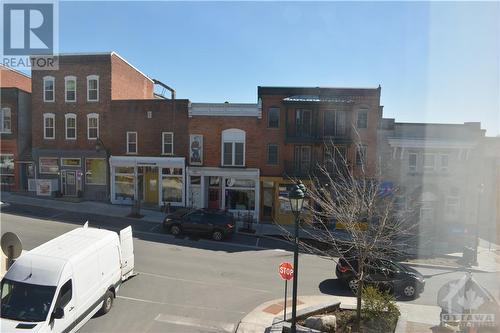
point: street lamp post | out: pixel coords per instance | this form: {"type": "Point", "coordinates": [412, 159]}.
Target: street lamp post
{"type": "Point", "coordinates": [296, 197]}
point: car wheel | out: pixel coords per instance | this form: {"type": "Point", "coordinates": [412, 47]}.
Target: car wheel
{"type": "Point", "coordinates": [108, 302]}
{"type": "Point", "coordinates": [409, 291]}
{"type": "Point", "coordinates": [217, 235]}
{"type": "Point", "coordinates": [353, 285]}
{"type": "Point", "coordinates": [175, 230]}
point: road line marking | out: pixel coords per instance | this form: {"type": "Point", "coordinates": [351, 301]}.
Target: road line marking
{"type": "Point", "coordinates": [177, 305]}
{"type": "Point", "coordinates": [199, 323]}
{"type": "Point", "coordinates": [200, 282]}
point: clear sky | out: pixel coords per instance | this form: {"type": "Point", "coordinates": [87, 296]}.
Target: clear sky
{"type": "Point", "coordinates": [436, 62]}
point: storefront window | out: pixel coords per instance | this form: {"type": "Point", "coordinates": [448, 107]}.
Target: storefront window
{"type": "Point", "coordinates": [172, 171]}
{"type": "Point", "coordinates": [172, 189]}
{"type": "Point", "coordinates": [124, 187]}
{"type": "Point", "coordinates": [7, 165]}
{"type": "Point", "coordinates": [49, 165]}
{"type": "Point", "coordinates": [283, 198]}
{"type": "Point", "coordinates": [239, 199]}
{"type": "Point", "coordinates": [95, 171]}
{"type": "Point", "coordinates": [195, 180]}
{"type": "Point", "coordinates": [124, 169]}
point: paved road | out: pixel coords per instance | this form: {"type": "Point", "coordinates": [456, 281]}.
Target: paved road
{"type": "Point", "coordinates": [187, 285]}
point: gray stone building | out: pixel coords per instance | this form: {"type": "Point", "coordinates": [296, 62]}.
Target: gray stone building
{"type": "Point", "coordinates": [444, 179]}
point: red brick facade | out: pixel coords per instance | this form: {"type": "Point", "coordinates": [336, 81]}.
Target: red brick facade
{"type": "Point", "coordinates": [10, 78]}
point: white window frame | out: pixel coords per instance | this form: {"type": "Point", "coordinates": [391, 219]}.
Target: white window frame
{"type": "Point", "coordinates": [136, 143]}
{"type": "Point", "coordinates": [66, 79]}
{"type": "Point", "coordinates": [66, 117]}
{"type": "Point", "coordinates": [53, 117]}
{"type": "Point", "coordinates": [89, 78]}
{"type": "Point", "coordinates": [413, 168]}
{"type": "Point", "coordinates": [89, 116]}
{"type": "Point", "coordinates": [45, 80]}
{"type": "Point", "coordinates": [429, 168]}
{"type": "Point", "coordinates": [233, 136]}
{"type": "Point", "coordinates": [443, 168]}
{"type": "Point", "coordinates": [163, 136]}
{"type": "Point", "coordinates": [2, 120]}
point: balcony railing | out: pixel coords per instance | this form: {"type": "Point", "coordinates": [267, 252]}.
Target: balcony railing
{"type": "Point", "coordinates": [317, 136]}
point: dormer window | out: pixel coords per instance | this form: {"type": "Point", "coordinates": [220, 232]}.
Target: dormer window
{"type": "Point", "coordinates": [233, 147]}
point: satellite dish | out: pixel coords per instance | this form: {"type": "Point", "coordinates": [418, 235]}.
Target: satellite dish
{"type": "Point", "coordinates": [11, 245]}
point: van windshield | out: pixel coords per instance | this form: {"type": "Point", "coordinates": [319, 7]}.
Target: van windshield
{"type": "Point", "coordinates": [24, 301]}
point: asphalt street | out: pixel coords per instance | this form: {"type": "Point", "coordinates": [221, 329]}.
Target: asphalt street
{"type": "Point", "coordinates": [197, 285]}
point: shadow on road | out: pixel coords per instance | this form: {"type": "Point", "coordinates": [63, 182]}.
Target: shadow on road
{"type": "Point", "coordinates": [334, 287]}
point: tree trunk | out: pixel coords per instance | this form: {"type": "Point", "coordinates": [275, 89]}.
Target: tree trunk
{"type": "Point", "coordinates": [359, 293]}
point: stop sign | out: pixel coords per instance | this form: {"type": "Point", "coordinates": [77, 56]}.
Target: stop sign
{"type": "Point", "coordinates": [286, 270]}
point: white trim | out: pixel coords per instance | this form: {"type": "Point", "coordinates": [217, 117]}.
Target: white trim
{"type": "Point", "coordinates": [45, 79]}
{"type": "Point", "coordinates": [89, 116]}
{"type": "Point", "coordinates": [136, 143]}
{"type": "Point", "coordinates": [92, 77]}
{"type": "Point", "coordinates": [416, 162]}
{"type": "Point", "coordinates": [233, 136]}
{"type": "Point", "coordinates": [66, 117]}
{"type": "Point", "coordinates": [163, 143]}
{"type": "Point", "coordinates": [53, 117]}
{"type": "Point", "coordinates": [66, 79]}
{"type": "Point", "coordinates": [2, 120]}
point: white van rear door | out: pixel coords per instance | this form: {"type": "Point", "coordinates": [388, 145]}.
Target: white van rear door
{"type": "Point", "coordinates": [127, 252]}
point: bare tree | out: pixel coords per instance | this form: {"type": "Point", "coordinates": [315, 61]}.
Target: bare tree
{"type": "Point", "coordinates": [373, 228]}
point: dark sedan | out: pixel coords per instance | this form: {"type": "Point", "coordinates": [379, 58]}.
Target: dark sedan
{"type": "Point", "coordinates": [383, 274]}
{"type": "Point", "coordinates": [217, 224]}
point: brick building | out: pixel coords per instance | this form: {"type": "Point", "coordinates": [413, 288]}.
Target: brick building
{"type": "Point", "coordinates": [225, 156]}
{"type": "Point", "coordinates": [69, 110]}
{"type": "Point", "coordinates": [15, 129]}
{"type": "Point", "coordinates": [148, 146]}
{"type": "Point", "coordinates": [304, 127]}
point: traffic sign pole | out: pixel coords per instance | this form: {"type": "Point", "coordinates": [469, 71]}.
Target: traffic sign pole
{"type": "Point", "coordinates": [284, 308]}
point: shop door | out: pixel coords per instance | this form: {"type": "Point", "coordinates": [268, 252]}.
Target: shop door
{"type": "Point", "coordinates": [69, 183]}
{"type": "Point", "coordinates": [151, 185]}
{"type": "Point", "coordinates": [196, 196]}
{"type": "Point", "coordinates": [267, 204]}
{"type": "Point", "coordinates": [213, 198]}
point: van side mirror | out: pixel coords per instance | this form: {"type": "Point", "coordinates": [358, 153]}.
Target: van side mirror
{"type": "Point", "coordinates": [58, 313]}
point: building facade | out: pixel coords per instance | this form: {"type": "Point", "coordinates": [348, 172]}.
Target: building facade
{"type": "Point", "coordinates": [69, 110]}
{"type": "Point", "coordinates": [15, 130]}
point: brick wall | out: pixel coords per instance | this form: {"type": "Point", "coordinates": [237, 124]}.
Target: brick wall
{"type": "Point", "coordinates": [128, 82]}
{"type": "Point", "coordinates": [131, 115]}
{"type": "Point", "coordinates": [14, 79]}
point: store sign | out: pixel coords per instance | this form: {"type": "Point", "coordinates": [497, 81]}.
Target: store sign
{"type": "Point", "coordinates": [44, 187]}
{"type": "Point", "coordinates": [196, 149]}
{"type": "Point", "coordinates": [70, 162]}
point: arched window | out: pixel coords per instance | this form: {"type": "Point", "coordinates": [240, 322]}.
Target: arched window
{"type": "Point", "coordinates": [92, 126]}
{"type": "Point", "coordinates": [70, 88]}
{"type": "Point", "coordinates": [92, 88]}
{"type": "Point", "coordinates": [233, 147]}
{"type": "Point", "coordinates": [48, 89]}
{"type": "Point", "coordinates": [49, 126]}
{"type": "Point", "coordinates": [70, 120]}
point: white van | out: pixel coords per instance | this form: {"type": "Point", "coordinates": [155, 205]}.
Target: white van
{"type": "Point", "coordinates": [60, 285]}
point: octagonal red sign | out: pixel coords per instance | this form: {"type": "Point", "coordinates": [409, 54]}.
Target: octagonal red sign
{"type": "Point", "coordinates": [286, 270]}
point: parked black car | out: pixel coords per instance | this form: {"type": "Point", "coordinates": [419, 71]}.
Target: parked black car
{"type": "Point", "coordinates": [217, 224]}
{"type": "Point", "coordinates": [386, 275]}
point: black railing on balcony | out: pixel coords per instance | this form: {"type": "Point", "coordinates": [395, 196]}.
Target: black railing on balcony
{"type": "Point", "coordinates": [300, 169]}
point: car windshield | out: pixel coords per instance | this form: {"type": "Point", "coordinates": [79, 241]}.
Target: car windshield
{"type": "Point", "coordinates": [24, 301]}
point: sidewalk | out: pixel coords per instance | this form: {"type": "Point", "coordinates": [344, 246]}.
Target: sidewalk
{"type": "Point", "coordinates": [414, 318]}
{"type": "Point", "coordinates": [99, 208]}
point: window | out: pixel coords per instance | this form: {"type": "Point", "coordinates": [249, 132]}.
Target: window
{"type": "Point", "coordinates": [124, 183]}
{"type": "Point", "coordinates": [49, 129]}
{"type": "Point", "coordinates": [48, 165]}
{"type": "Point", "coordinates": [131, 142]}
{"type": "Point", "coordinates": [233, 147]}
{"type": "Point", "coordinates": [302, 159]}
{"type": "Point", "coordinates": [92, 126]}
{"type": "Point", "coordinates": [362, 121]}
{"type": "Point", "coordinates": [65, 295]}
{"type": "Point", "coordinates": [336, 158]}
{"type": "Point", "coordinates": [272, 154]}
{"type": "Point", "coordinates": [5, 120]}
{"type": "Point", "coordinates": [168, 143]}
{"type": "Point", "coordinates": [335, 123]}
{"type": "Point", "coordinates": [95, 171]}
{"type": "Point", "coordinates": [70, 126]}
{"type": "Point", "coordinates": [452, 202]}
{"type": "Point", "coordinates": [273, 118]}
{"type": "Point", "coordinates": [48, 89]}
{"type": "Point", "coordinates": [240, 194]}
{"type": "Point", "coordinates": [70, 88]}
{"type": "Point", "coordinates": [172, 185]}
{"type": "Point", "coordinates": [92, 88]}
{"type": "Point", "coordinates": [7, 169]}
{"type": "Point", "coordinates": [429, 162]}
{"type": "Point", "coordinates": [412, 162]}
{"type": "Point", "coordinates": [361, 155]}
{"type": "Point", "coordinates": [444, 163]}
{"type": "Point", "coordinates": [303, 122]}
